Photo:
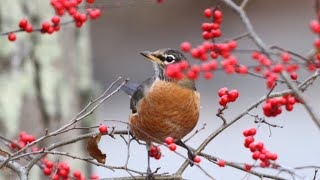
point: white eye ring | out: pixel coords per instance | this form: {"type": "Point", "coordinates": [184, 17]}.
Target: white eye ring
{"type": "Point", "coordinates": [170, 56]}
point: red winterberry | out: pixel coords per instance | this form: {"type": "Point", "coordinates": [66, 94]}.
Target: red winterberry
{"type": "Point", "coordinates": [223, 91]}
{"type": "Point", "coordinates": [221, 163]}
{"type": "Point", "coordinates": [23, 23]}
{"type": "Point", "coordinates": [77, 174]}
{"type": "Point", "coordinates": [197, 159]}
{"type": "Point", "coordinates": [217, 14]}
{"type": "Point", "coordinates": [12, 37]}
{"type": "Point", "coordinates": [47, 171]}
{"type": "Point", "coordinates": [285, 57]}
{"type": "Point", "coordinates": [294, 76]}
{"type": "Point", "coordinates": [185, 46]}
{"type": "Point", "coordinates": [208, 75]}
{"type": "Point", "coordinates": [103, 129]}
{"type": "Point", "coordinates": [208, 12]}
{"type": "Point", "coordinates": [55, 19]}
{"type": "Point", "coordinates": [224, 100]}
{"type": "Point", "coordinates": [233, 95]}
{"type": "Point", "coordinates": [169, 140]}
{"type": "Point", "coordinates": [172, 147]}
{"type": "Point", "coordinates": [157, 156]}
{"type": "Point", "coordinates": [247, 167]}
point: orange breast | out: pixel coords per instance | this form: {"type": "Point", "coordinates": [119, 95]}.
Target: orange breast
{"type": "Point", "coordinates": [167, 110]}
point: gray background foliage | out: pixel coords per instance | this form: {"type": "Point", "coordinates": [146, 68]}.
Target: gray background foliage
{"type": "Point", "coordinates": [122, 32]}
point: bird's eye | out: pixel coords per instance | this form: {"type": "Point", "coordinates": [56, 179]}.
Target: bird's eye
{"type": "Point", "coordinates": [169, 59]}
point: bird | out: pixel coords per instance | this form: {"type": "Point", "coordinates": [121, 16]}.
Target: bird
{"type": "Point", "coordinates": [163, 107]}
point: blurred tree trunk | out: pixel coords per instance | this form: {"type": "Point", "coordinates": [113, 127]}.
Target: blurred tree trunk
{"type": "Point", "coordinates": [44, 79]}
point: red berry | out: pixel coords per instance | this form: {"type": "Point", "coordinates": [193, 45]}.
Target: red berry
{"type": "Point", "coordinates": [223, 91]}
{"type": "Point", "coordinates": [249, 140]}
{"type": "Point", "coordinates": [208, 75]}
{"type": "Point", "coordinates": [285, 57]}
{"type": "Point", "coordinates": [63, 173]}
{"type": "Point", "coordinates": [172, 147]}
{"type": "Point", "coordinates": [195, 68]}
{"type": "Point", "coordinates": [12, 37]}
{"type": "Point", "coordinates": [262, 157]}
{"type": "Point", "coordinates": [247, 167]}
{"type": "Point", "coordinates": [55, 19]}
{"type": "Point", "coordinates": [224, 100]}
{"type": "Point", "coordinates": [77, 174]}
{"type": "Point", "coordinates": [94, 177]}
{"type": "Point", "coordinates": [45, 26]}
{"type": "Point", "coordinates": [232, 44]}
{"type": "Point", "coordinates": [47, 171]}
{"type": "Point", "coordinates": [252, 132]}
{"type": "Point", "coordinates": [169, 140]}
{"type": "Point", "coordinates": [259, 146]}
{"type": "Point", "coordinates": [315, 26]}
{"type": "Point", "coordinates": [195, 53]}
{"type": "Point", "coordinates": [157, 156]}
{"type": "Point", "coordinates": [197, 159]}
{"type": "Point", "coordinates": [256, 155]}
{"type": "Point", "coordinates": [185, 46]}
{"type": "Point", "coordinates": [50, 30]}
{"type": "Point", "coordinates": [316, 43]}
{"type": "Point", "coordinates": [217, 14]}
{"type": "Point", "coordinates": [103, 129]}
{"type": "Point", "coordinates": [23, 23]}
{"type": "Point", "coordinates": [246, 133]}
{"type": "Point", "coordinates": [233, 95]}
{"type": "Point", "coordinates": [56, 177]}
{"type": "Point", "coordinates": [208, 12]}
{"type": "Point", "coordinates": [253, 147]}
{"type": "Point", "coordinates": [29, 28]}
{"type": "Point", "coordinates": [12, 146]}
{"type": "Point", "coordinates": [192, 75]}
{"type": "Point", "coordinates": [221, 163]}
{"type": "Point", "coordinates": [90, 1]}
{"type": "Point", "coordinates": [294, 76]}
{"type": "Point", "coordinates": [277, 68]}
{"type": "Point", "coordinates": [49, 164]}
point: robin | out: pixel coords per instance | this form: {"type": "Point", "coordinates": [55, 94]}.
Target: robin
{"type": "Point", "coordinates": [163, 107]}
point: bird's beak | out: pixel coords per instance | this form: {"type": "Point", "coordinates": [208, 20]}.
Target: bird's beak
{"type": "Point", "coordinates": [151, 56]}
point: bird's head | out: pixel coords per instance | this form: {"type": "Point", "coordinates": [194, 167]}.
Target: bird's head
{"type": "Point", "coordinates": [163, 57]}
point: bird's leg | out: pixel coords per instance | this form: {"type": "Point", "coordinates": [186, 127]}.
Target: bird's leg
{"type": "Point", "coordinates": [191, 154]}
{"type": "Point", "coordinates": [149, 172]}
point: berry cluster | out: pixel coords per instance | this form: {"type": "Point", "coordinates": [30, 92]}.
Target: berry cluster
{"type": "Point", "coordinates": [259, 152]}
{"type": "Point", "coordinates": [170, 142]}
{"type": "Point", "coordinates": [272, 70]}
{"type": "Point", "coordinates": [155, 152]}
{"type": "Point", "coordinates": [272, 107]}
{"type": "Point", "coordinates": [61, 7]}
{"type": "Point", "coordinates": [315, 28]}
{"type": "Point", "coordinates": [227, 96]}
{"type": "Point", "coordinates": [24, 138]}
{"type": "Point", "coordinates": [208, 49]}
{"type": "Point", "coordinates": [62, 169]}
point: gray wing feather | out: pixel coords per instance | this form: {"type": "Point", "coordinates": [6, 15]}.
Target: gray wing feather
{"type": "Point", "coordinates": [129, 88]}
{"type": "Point", "coordinates": [139, 93]}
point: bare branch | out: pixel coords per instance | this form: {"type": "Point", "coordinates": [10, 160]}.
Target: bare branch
{"type": "Point", "coordinates": [17, 168]}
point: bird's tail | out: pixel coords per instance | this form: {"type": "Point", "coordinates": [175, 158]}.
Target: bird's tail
{"type": "Point", "coordinates": [129, 88]}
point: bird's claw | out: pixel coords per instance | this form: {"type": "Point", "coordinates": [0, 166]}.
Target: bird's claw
{"type": "Point", "coordinates": [149, 174]}
{"type": "Point", "coordinates": [191, 156]}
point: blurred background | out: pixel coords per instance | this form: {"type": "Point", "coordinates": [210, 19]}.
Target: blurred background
{"type": "Point", "coordinates": [81, 63]}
